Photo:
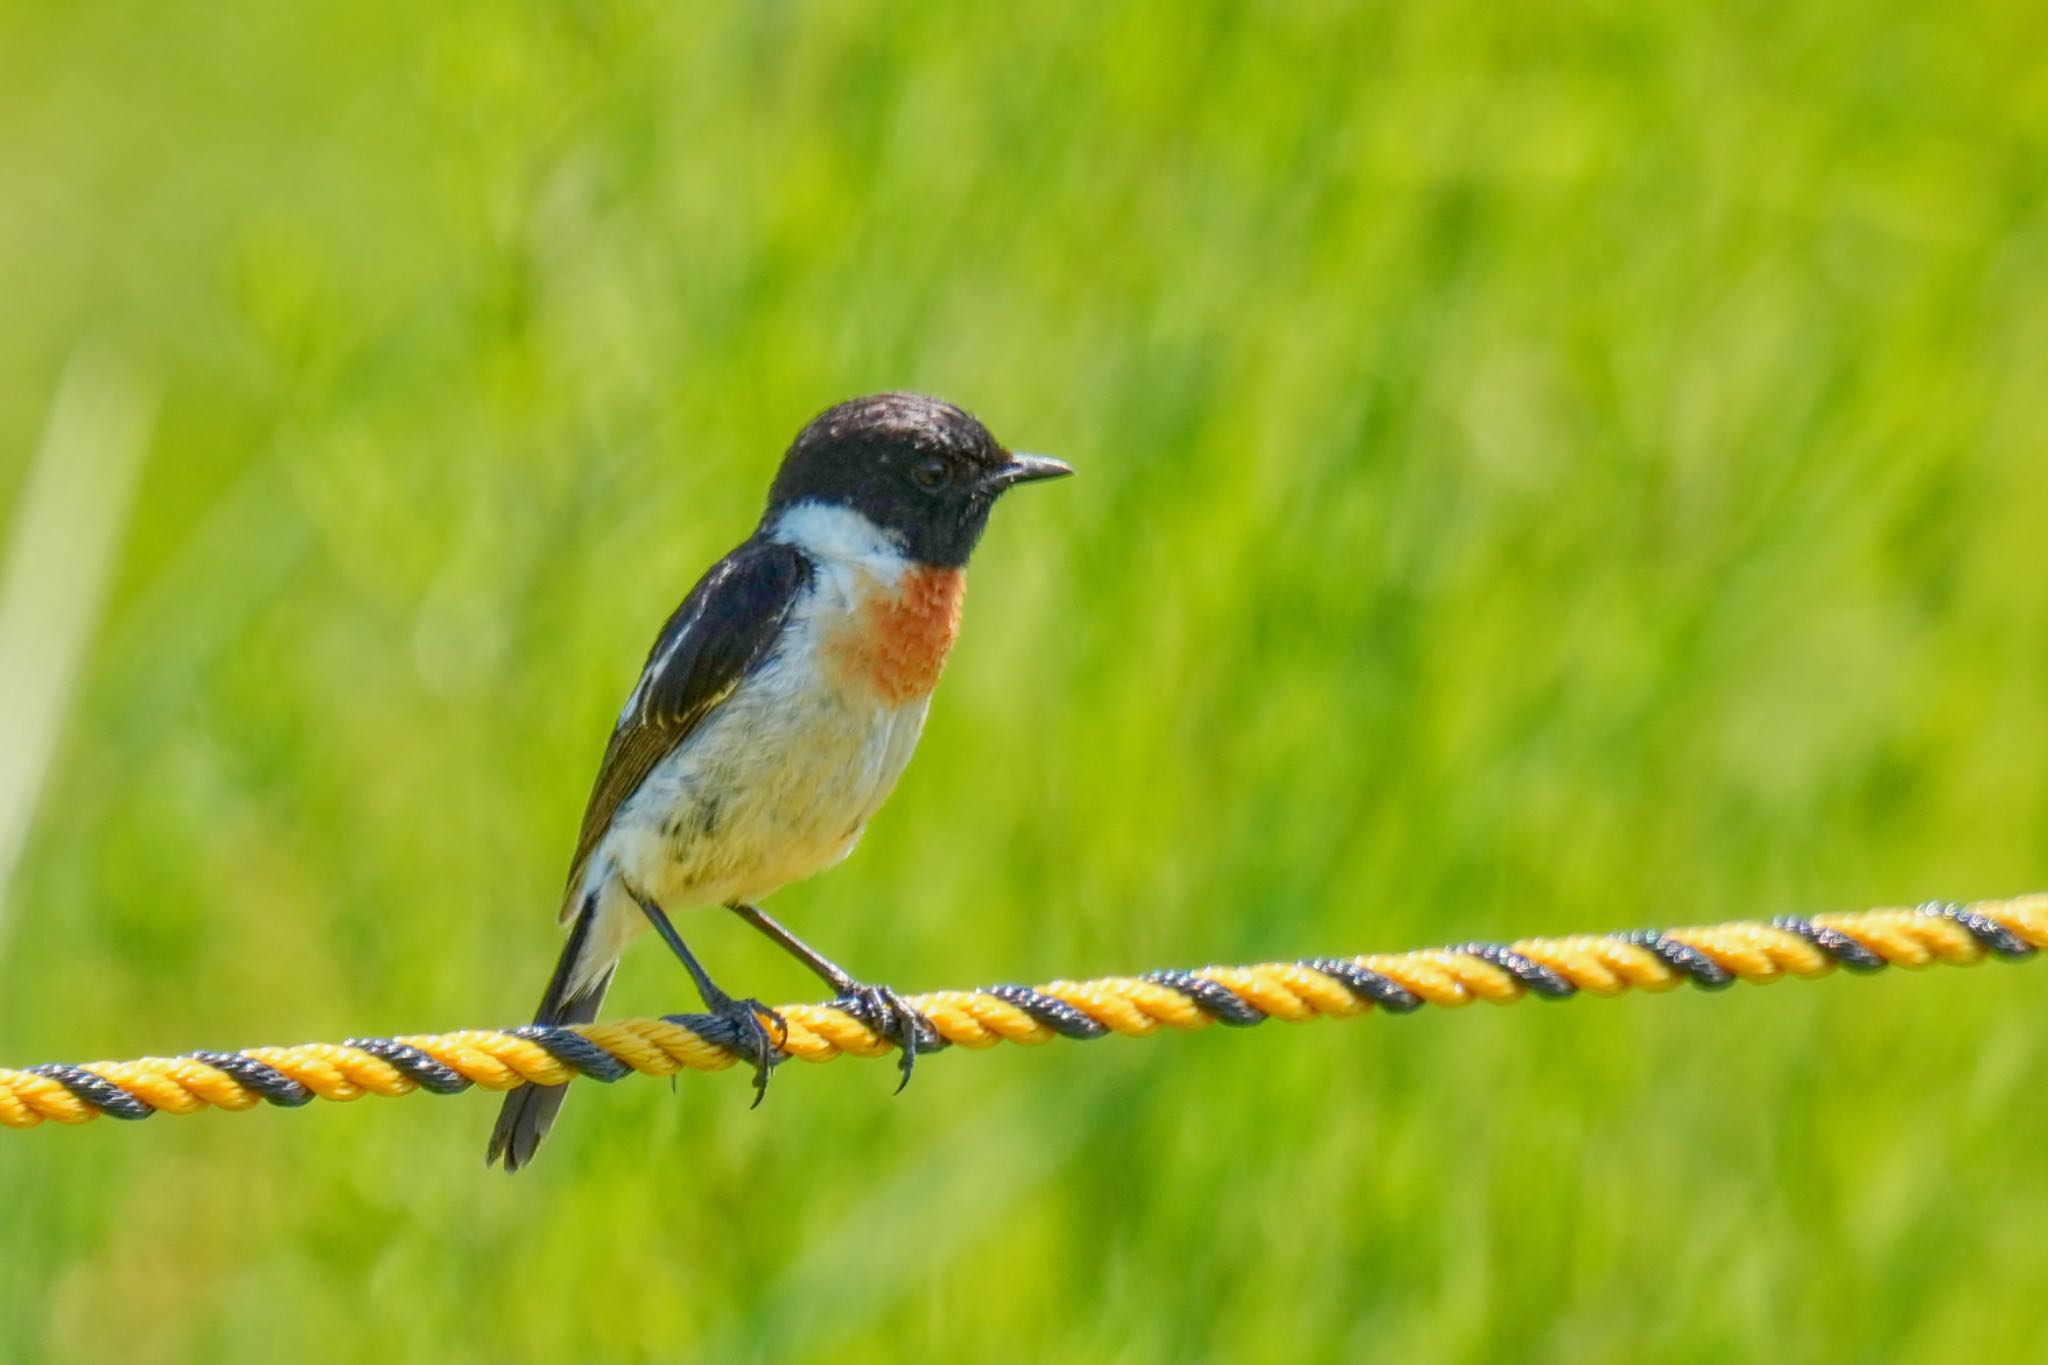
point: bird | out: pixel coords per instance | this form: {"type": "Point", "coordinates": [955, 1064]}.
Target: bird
{"type": "Point", "coordinates": [777, 708]}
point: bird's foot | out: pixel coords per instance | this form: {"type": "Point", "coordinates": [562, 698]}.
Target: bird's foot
{"type": "Point", "coordinates": [890, 1016]}
{"type": "Point", "coordinates": [754, 1032]}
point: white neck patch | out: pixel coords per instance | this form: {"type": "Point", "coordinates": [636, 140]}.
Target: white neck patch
{"type": "Point", "coordinates": [841, 536]}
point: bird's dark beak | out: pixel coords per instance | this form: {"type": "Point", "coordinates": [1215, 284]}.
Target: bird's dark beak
{"type": "Point", "coordinates": [1028, 469]}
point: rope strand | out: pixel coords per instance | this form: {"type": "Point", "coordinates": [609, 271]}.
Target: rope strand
{"type": "Point", "coordinates": [1712, 957]}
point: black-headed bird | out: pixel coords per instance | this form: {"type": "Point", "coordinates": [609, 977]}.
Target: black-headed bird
{"type": "Point", "coordinates": [776, 710]}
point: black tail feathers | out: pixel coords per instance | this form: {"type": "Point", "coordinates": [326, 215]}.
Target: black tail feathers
{"type": "Point", "coordinates": [530, 1110]}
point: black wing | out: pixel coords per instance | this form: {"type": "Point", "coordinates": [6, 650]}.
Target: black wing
{"type": "Point", "coordinates": [728, 624]}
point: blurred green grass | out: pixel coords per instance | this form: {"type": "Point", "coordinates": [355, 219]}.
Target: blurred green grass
{"type": "Point", "coordinates": [1541, 472]}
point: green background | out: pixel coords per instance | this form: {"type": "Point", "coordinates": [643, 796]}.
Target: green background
{"type": "Point", "coordinates": [1540, 472]}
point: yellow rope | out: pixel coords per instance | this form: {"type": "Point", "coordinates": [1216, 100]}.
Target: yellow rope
{"type": "Point", "coordinates": [494, 1059]}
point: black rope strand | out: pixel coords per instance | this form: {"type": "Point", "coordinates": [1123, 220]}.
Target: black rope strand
{"type": "Point", "coordinates": [572, 1049]}
{"type": "Point", "coordinates": [1212, 998]}
{"type": "Point", "coordinates": [1704, 972]}
{"type": "Point", "coordinates": [97, 1091]}
{"type": "Point", "coordinates": [1532, 974]}
{"type": "Point", "coordinates": [1995, 937]}
{"type": "Point", "coordinates": [1847, 952]}
{"type": "Point", "coordinates": [1368, 985]}
{"type": "Point", "coordinates": [415, 1065]}
{"type": "Point", "coordinates": [1054, 1013]}
{"type": "Point", "coordinates": [266, 1080]}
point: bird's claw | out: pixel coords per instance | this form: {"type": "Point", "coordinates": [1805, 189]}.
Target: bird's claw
{"type": "Point", "coordinates": [892, 1018]}
{"type": "Point", "coordinates": [751, 1038]}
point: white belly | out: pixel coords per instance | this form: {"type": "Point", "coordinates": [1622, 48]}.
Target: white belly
{"type": "Point", "coordinates": [778, 784]}
{"type": "Point", "coordinates": [780, 780]}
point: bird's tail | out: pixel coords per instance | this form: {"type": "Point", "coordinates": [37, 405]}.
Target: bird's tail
{"type": "Point", "coordinates": [530, 1110]}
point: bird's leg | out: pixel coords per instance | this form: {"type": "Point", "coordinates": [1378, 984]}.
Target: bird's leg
{"type": "Point", "coordinates": [750, 1036]}
{"type": "Point", "coordinates": [880, 1007]}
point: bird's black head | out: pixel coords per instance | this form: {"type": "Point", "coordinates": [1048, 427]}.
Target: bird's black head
{"type": "Point", "coordinates": [922, 470]}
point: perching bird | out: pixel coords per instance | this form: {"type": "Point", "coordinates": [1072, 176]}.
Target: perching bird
{"type": "Point", "coordinates": [777, 709]}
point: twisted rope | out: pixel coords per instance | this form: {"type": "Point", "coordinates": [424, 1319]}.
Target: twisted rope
{"type": "Point", "coordinates": [1556, 968]}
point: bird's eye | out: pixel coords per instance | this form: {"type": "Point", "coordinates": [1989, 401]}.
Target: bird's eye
{"type": "Point", "coordinates": [931, 473]}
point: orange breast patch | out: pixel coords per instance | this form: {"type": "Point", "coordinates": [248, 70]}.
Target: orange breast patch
{"type": "Point", "coordinates": [896, 643]}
